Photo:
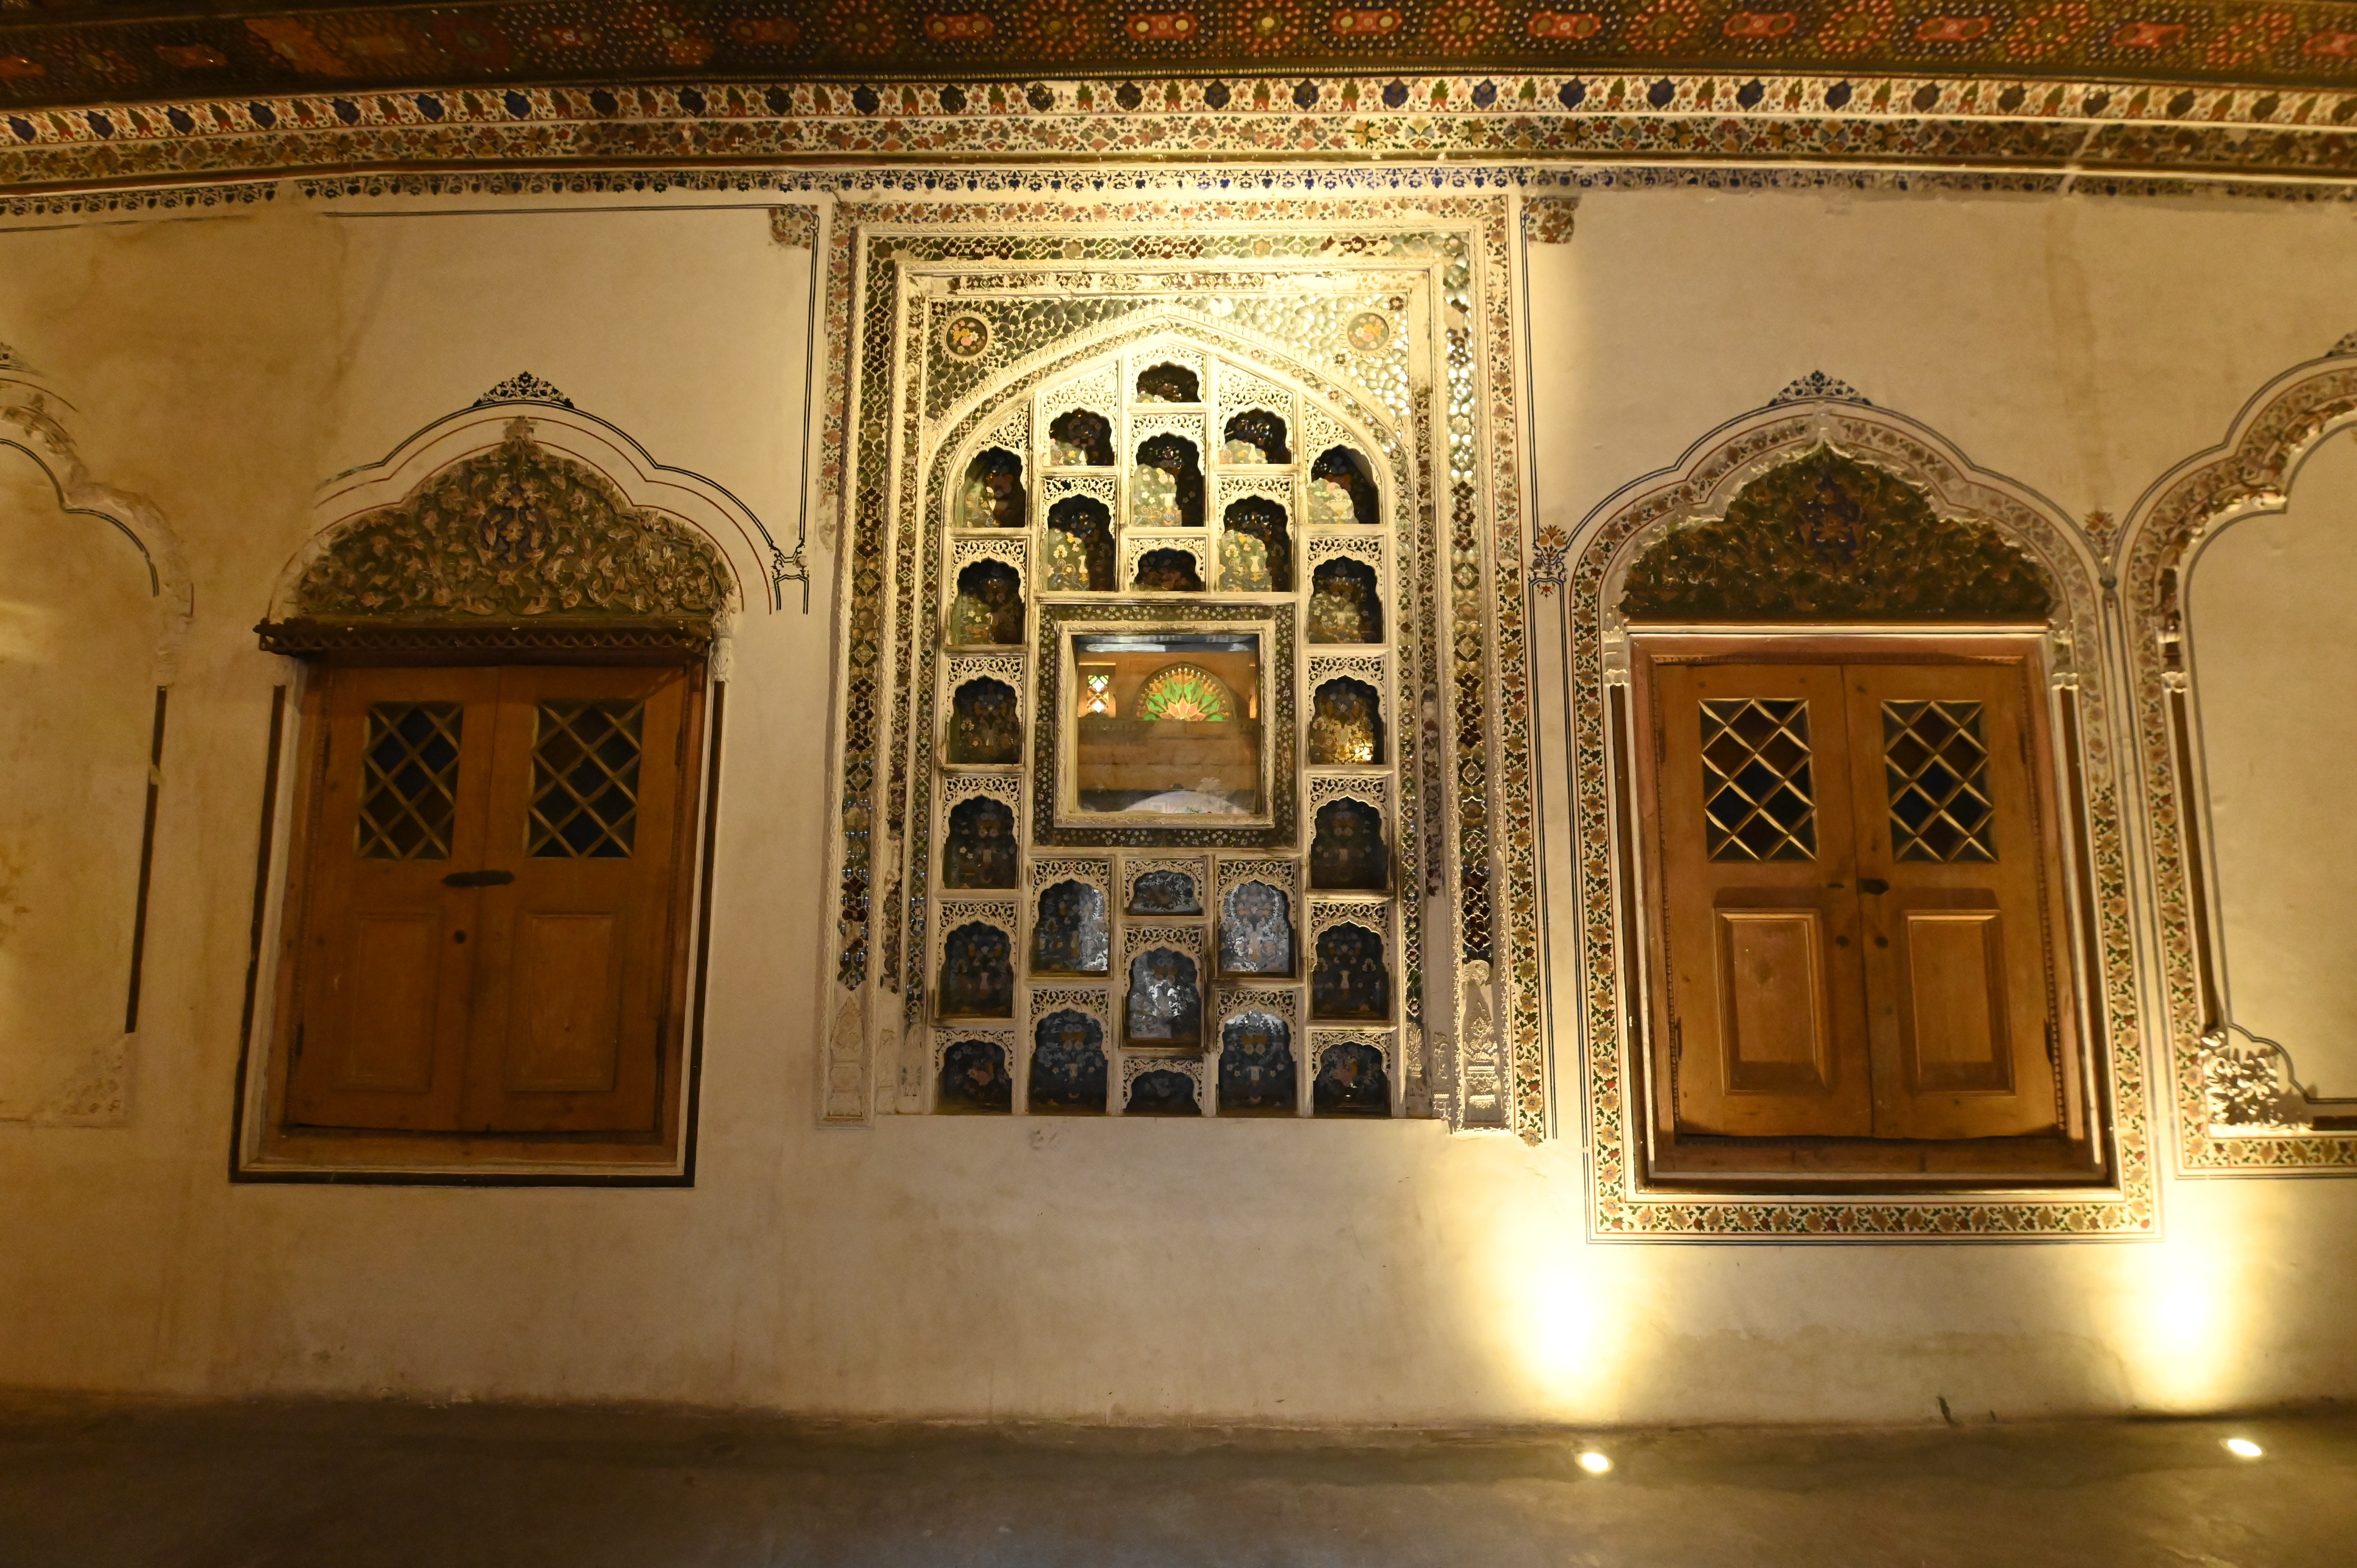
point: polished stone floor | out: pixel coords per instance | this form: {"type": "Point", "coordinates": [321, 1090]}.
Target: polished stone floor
{"type": "Point", "coordinates": [95, 1484]}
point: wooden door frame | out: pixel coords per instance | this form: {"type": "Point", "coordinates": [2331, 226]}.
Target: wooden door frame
{"type": "Point", "coordinates": [2083, 1154]}
{"type": "Point", "coordinates": [264, 1148]}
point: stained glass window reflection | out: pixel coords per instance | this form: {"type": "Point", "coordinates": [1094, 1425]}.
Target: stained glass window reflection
{"type": "Point", "coordinates": [1345, 606]}
{"type": "Point", "coordinates": [1069, 935]}
{"type": "Point", "coordinates": [1081, 439]}
{"type": "Point", "coordinates": [977, 978]}
{"type": "Point", "coordinates": [975, 1078]}
{"type": "Point", "coordinates": [1351, 1081]}
{"type": "Point", "coordinates": [1166, 488]}
{"type": "Point", "coordinates": [1349, 979]}
{"type": "Point", "coordinates": [985, 724]}
{"type": "Point", "coordinates": [1255, 929]}
{"type": "Point", "coordinates": [992, 496]}
{"type": "Point", "coordinates": [1256, 1067]}
{"type": "Point", "coordinates": [1255, 437]}
{"type": "Point", "coordinates": [1068, 1063]}
{"type": "Point", "coordinates": [1163, 1091]}
{"type": "Point", "coordinates": [1346, 725]}
{"type": "Point", "coordinates": [1165, 893]}
{"type": "Point", "coordinates": [1165, 1006]}
{"type": "Point", "coordinates": [1342, 488]}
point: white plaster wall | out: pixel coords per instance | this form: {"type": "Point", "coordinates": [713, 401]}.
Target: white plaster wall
{"type": "Point", "coordinates": [2272, 611]}
{"type": "Point", "coordinates": [970, 1266]}
{"type": "Point", "coordinates": [77, 711]}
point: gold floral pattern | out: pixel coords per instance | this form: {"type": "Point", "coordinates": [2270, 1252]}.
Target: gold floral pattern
{"type": "Point", "coordinates": [1827, 537]}
{"type": "Point", "coordinates": [516, 532]}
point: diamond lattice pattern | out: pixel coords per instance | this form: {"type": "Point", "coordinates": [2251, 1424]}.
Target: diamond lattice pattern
{"type": "Point", "coordinates": [585, 780]}
{"type": "Point", "coordinates": [409, 788]}
{"type": "Point", "coordinates": [1757, 801]}
{"type": "Point", "coordinates": [1937, 767]}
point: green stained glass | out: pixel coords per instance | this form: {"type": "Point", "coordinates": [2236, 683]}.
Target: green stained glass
{"type": "Point", "coordinates": [1185, 693]}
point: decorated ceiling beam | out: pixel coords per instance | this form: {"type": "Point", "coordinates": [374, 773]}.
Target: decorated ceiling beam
{"type": "Point", "coordinates": [58, 53]}
{"type": "Point", "coordinates": [1996, 133]}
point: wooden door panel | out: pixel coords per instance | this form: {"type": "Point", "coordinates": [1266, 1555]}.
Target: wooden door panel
{"type": "Point", "coordinates": [383, 958]}
{"type": "Point", "coordinates": [1959, 1036]}
{"type": "Point", "coordinates": [567, 990]}
{"type": "Point", "coordinates": [391, 986]}
{"type": "Point", "coordinates": [1952, 850]}
{"type": "Point", "coordinates": [573, 991]}
{"type": "Point", "coordinates": [1749, 789]}
{"type": "Point", "coordinates": [1776, 1033]}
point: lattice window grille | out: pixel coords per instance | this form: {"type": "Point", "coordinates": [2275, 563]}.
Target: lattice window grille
{"type": "Point", "coordinates": [1937, 765]}
{"type": "Point", "coordinates": [409, 787]}
{"type": "Point", "coordinates": [585, 780]}
{"type": "Point", "coordinates": [1758, 800]}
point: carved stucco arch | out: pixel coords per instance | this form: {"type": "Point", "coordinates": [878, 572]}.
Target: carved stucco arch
{"type": "Point", "coordinates": [1587, 566]}
{"type": "Point", "coordinates": [2238, 1104]}
{"type": "Point", "coordinates": [40, 422]}
{"type": "Point", "coordinates": [526, 416]}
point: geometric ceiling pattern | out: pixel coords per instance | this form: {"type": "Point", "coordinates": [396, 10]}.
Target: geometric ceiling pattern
{"type": "Point", "coordinates": [57, 52]}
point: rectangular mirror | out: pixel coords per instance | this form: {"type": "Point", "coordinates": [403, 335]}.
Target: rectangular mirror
{"type": "Point", "coordinates": [1166, 724]}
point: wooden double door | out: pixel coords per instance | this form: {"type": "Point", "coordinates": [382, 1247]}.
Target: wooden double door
{"type": "Point", "coordinates": [1855, 867]}
{"type": "Point", "coordinates": [487, 932]}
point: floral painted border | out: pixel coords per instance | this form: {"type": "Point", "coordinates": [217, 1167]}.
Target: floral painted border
{"type": "Point", "coordinates": [2082, 133]}
{"type": "Point", "coordinates": [2237, 1111]}
{"type": "Point", "coordinates": [1584, 563]}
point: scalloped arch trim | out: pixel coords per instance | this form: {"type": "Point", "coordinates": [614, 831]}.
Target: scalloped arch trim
{"type": "Point", "coordinates": [516, 533]}
{"type": "Point", "coordinates": [1825, 537]}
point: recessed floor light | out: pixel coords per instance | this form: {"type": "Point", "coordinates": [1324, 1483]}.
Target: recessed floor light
{"type": "Point", "coordinates": [2244, 1448]}
{"type": "Point", "coordinates": [1595, 1464]}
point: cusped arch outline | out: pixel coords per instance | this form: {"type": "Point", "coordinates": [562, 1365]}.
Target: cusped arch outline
{"type": "Point", "coordinates": [1587, 566]}
{"type": "Point", "coordinates": [971, 423]}
{"type": "Point", "coordinates": [40, 421]}
{"type": "Point", "coordinates": [572, 448]}
{"type": "Point", "coordinates": [2238, 1103]}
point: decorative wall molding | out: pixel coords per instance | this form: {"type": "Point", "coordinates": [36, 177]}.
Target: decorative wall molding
{"type": "Point", "coordinates": [589, 527]}
{"type": "Point", "coordinates": [1813, 387]}
{"type": "Point", "coordinates": [1590, 564]}
{"type": "Point", "coordinates": [518, 533]}
{"type": "Point", "coordinates": [1824, 537]}
{"type": "Point", "coordinates": [40, 421]}
{"type": "Point", "coordinates": [2238, 1105]}
{"type": "Point", "coordinates": [1938, 117]}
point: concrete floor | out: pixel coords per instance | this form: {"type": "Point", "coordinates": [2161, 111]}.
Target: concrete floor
{"type": "Point", "coordinates": [97, 1485]}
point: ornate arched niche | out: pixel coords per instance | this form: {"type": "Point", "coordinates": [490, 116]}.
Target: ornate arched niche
{"type": "Point", "coordinates": [1851, 555]}
{"type": "Point", "coordinates": [1159, 493]}
{"type": "Point", "coordinates": [97, 607]}
{"type": "Point", "coordinates": [515, 630]}
{"type": "Point", "coordinates": [2251, 1085]}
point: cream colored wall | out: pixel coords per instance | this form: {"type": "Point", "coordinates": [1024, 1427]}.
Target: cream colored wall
{"type": "Point", "coordinates": [2272, 613]}
{"type": "Point", "coordinates": [974, 1266]}
{"type": "Point", "coordinates": [77, 715]}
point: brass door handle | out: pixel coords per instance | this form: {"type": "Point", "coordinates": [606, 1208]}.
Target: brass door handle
{"type": "Point", "coordinates": [478, 879]}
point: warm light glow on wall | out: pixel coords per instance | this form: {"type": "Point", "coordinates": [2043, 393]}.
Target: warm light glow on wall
{"type": "Point", "coordinates": [1557, 1326]}
{"type": "Point", "coordinates": [2179, 1329]}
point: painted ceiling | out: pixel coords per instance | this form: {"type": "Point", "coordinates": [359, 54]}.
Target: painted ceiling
{"type": "Point", "coordinates": [61, 52]}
